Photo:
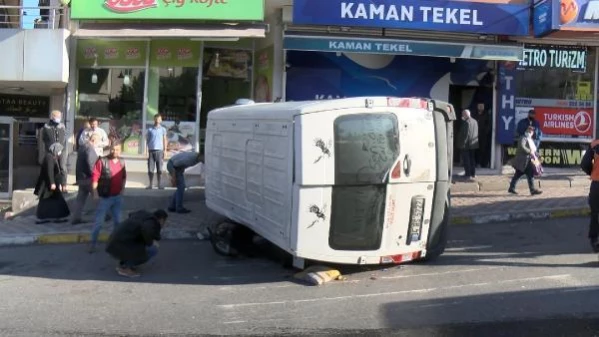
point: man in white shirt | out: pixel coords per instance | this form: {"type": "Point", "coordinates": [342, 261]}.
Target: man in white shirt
{"type": "Point", "coordinates": [103, 141]}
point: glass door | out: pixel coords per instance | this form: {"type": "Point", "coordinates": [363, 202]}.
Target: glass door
{"type": "Point", "coordinates": [6, 136]}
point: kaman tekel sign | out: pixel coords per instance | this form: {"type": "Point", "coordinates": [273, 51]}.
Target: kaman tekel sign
{"type": "Point", "coordinates": [437, 15]}
{"type": "Point", "coordinates": [238, 10]}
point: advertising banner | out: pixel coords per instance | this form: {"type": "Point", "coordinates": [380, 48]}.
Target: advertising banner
{"type": "Point", "coordinates": [108, 53]}
{"type": "Point", "coordinates": [241, 10]}
{"type": "Point", "coordinates": [553, 154]}
{"type": "Point", "coordinates": [565, 122]}
{"type": "Point", "coordinates": [437, 15]}
{"type": "Point", "coordinates": [554, 57]}
{"type": "Point", "coordinates": [175, 53]}
{"type": "Point", "coordinates": [567, 15]}
{"type": "Point", "coordinates": [506, 105]}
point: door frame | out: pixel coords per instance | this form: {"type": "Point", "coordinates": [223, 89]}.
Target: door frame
{"type": "Point", "coordinates": [11, 127]}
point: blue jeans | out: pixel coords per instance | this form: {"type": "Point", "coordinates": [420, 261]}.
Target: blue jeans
{"type": "Point", "coordinates": [114, 205]}
{"type": "Point", "coordinates": [177, 199]}
{"type": "Point", "coordinates": [150, 251]}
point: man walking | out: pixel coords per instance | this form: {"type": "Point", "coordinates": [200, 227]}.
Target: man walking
{"type": "Point", "coordinates": [108, 181]}
{"type": "Point", "coordinates": [531, 121]}
{"type": "Point", "coordinates": [54, 131]}
{"type": "Point", "coordinates": [135, 241]}
{"type": "Point", "coordinates": [156, 145]}
{"type": "Point", "coordinates": [176, 168]}
{"type": "Point", "coordinates": [483, 118]}
{"type": "Point", "coordinates": [86, 160]}
{"type": "Point", "coordinates": [468, 143]}
{"type": "Point", "coordinates": [94, 128]}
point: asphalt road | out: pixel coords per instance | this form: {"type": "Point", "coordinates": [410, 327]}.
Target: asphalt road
{"type": "Point", "coordinates": [525, 279]}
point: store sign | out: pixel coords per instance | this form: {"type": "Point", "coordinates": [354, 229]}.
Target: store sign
{"type": "Point", "coordinates": [558, 123]}
{"type": "Point", "coordinates": [175, 53]}
{"type": "Point", "coordinates": [438, 15]}
{"type": "Point", "coordinates": [403, 47]}
{"type": "Point", "coordinates": [557, 57]}
{"type": "Point", "coordinates": [553, 154]}
{"type": "Point", "coordinates": [506, 105]}
{"type": "Point", "coordinates": [24, 106]}
{"type": "Point", "coordinates": [242, 10]}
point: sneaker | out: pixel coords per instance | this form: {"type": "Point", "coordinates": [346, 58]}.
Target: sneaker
{"type": "Point", "coordinates": [126, 272]}
{"type": "Point", "coordinates": [512, 191]}
{"type": "Point", "coordinates": [149, 187]}
{"type": "Point", "coordinates": [536, 192]}
{"type": "Point", "coordinates": [183, 211]}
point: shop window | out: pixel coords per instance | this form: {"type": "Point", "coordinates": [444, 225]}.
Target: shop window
{"type": "Point", "coordinates": [177, 104]}
{"type": "Point", "coordinates": [115, 97]}
{"type": "Point", "coordinates": [556, 83]}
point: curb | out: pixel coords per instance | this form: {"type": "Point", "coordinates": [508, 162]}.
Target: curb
{"type": "Point", "coordinates": [71, 238]}
{"type": "Point", "coordinates": [481, 219]}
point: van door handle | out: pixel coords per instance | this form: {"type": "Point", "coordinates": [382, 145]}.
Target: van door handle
{"type": "Point", "coordinates": [407, 165]}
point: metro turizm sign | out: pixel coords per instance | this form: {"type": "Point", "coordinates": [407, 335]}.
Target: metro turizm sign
{"type": "Point", "coordinates": [240, 10]}
{"type": "Point", "coordinates": [535, 57]}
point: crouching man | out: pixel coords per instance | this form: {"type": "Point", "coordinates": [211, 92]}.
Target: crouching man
{"type": "Point", "coordinates": [135, 241]}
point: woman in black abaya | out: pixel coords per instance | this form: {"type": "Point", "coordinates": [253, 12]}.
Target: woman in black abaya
{"type": "Point", "coordinates": [51, 206]}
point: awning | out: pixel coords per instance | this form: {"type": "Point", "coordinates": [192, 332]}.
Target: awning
{"type": "Point", "coordinates": [114, 30]}
{"type": "Point", "coordinates": [405, 47]}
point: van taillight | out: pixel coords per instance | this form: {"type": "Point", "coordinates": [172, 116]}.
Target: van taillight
{"type": "Point", "coordinates": [396, 172]}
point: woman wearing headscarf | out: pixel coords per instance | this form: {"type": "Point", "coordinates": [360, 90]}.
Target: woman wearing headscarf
{"type": "Point", "coordinates": [526, 163]}
{"type": "Point", "coordinates": [51, 206]}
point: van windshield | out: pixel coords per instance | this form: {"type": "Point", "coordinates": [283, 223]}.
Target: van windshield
{"type": "Point", "coordinates": [366, 147]}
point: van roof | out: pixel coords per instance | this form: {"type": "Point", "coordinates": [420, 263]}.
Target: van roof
{"type": "Point", "coordinates": [288, 110]}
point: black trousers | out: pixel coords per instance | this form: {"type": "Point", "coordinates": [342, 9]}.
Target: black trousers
{"type": "Point", "coordinates": [594, 204]}
{"type": "Point", "coordinates": [469, 161]}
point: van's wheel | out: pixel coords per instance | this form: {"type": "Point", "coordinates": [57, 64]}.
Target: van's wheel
{"type": "Point", "coordinates": [220, 238]}
{"type": "Point", "coordinates": [434, 253]}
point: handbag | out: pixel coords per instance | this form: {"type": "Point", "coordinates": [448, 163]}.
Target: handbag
{"type": "Point", "coordinates": [537, 167]}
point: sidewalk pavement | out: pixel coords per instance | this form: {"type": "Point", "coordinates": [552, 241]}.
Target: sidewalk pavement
{"type": "Point", "coordinates": [470, 205]}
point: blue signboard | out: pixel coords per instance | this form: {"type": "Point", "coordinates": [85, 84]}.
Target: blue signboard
{"type": "Point", "coordinates": [403, 47]}
{"type": "Point", "coordinates": [437, 15]}
{"type": "Point", "coordinates": [575, 15]}
{"type": "Point", "coordinates": [506, 103]}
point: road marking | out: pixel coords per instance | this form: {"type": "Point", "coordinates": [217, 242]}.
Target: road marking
{"type": "Point", "coordinates": [439, 273]}
{"type": "Point", "coordinates": [391, 293]}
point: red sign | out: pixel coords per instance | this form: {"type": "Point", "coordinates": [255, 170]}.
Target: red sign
{"type": "Point", "coordinates": [129, 6]}
{"type": "Point", "coordinates": [565, 121]}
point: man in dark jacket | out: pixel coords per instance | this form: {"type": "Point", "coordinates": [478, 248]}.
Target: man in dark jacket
{"type": "Point", "coordinates": [51, 133]}
{"type": "Point", "coordinates": [468, 143]}
{"type": "Point", "coordinates": [86, 160]}
{"type": "Point", "coordinates": [135, 241]}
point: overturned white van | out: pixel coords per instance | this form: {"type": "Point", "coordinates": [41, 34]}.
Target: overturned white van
{"type": "Point", "coordinates": [352, 181]}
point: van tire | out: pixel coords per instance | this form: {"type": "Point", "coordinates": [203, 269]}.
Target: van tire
{"type": "Point", "coordinates": [435, 252]}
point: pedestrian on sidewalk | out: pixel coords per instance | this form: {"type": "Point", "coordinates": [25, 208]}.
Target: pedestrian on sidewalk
{"type": "Point", "coordinates": [590, 165]}
{"type": "Point", "coordinates": [54, 131]}
{"type": "Point", "coordinates": [468, 143]}
{"type": "Point", "coordinates": [108, 183]}
{"type": "Point", "coordinates": [86, 160]}
{"type": "Point", "coordinates": [483, 118]}
{"type": "Point", "coordinates": [94, 128]}
{"type": "Point", "coordinates": [78, 138]}
{"type": "Point", "coordinates": [526, 123]}
{"type": "Point", "coordinates": [156, 145]}
{"type": "Point", "coordinates": [51, 205]}
{"type": "Point", "coordinates": [523, 163]}
{"type": "Point", "coordinates": [135, 242]}
{"type": "Point", "coordinates": [176, 168]}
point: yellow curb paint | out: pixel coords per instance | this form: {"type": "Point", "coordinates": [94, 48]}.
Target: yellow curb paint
{"type": "Point", "coordinates": [461, 220]}
{"type": "Point", "coordinates": [68, 238]}
{"type": "Point", "coordinates": [569, 213]}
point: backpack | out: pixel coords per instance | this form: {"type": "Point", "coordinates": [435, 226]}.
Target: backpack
{"type": "Point", "coordinates": [586, 164]}
{"type": "Point", "coordinates": [105, 177]}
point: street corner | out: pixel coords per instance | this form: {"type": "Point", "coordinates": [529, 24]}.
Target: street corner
{"type": "Point", "coordinates": [68, 238]}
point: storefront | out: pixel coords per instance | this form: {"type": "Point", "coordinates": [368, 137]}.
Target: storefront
{"type": "Point", "coordinates": [444, 50]}
{"type": "Point", "coordinates": [557, 78]}
{"type": "Point", "coordinates": [175, 58]}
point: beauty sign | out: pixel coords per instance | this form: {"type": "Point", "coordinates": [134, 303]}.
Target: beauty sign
{"type": "Point", "coordinates": [242, 10]}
